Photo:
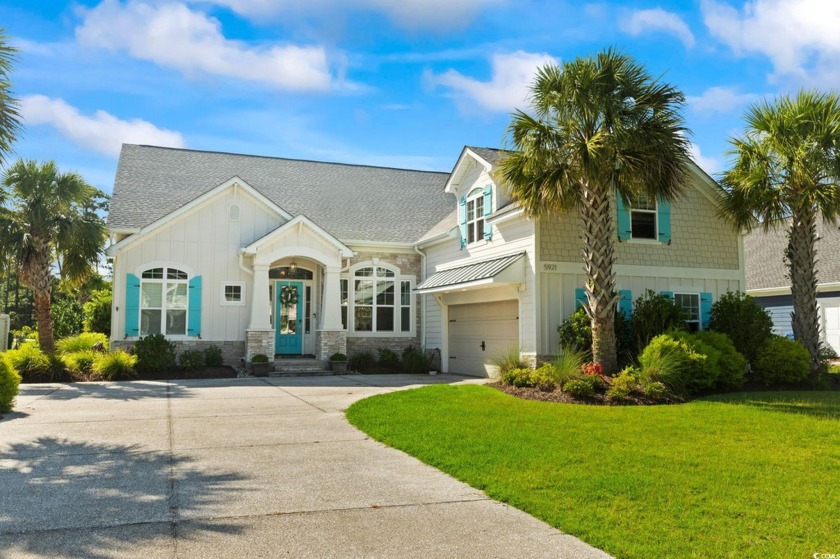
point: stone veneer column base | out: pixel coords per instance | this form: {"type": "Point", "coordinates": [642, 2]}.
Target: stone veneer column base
{"type": "Point", "coordinates": [259, 342]}
{"type": "Point", "coordinates": [328, 342]}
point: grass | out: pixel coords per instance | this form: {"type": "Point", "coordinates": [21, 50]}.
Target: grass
{"type": "Point", "coordinates": [739, 475]}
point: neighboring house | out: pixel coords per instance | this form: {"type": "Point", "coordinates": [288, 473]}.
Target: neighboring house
{"type": "Point", "coordinates": [769, 282]}
{"type": "Point", "coordinates": [289, 257]}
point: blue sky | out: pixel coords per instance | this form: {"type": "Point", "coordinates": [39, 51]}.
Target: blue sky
{"type": "Point", "coordinates": [402, 83]}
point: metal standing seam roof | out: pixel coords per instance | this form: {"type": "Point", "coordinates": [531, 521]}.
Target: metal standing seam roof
{"type": "Point", "coordinates": [470, 272]}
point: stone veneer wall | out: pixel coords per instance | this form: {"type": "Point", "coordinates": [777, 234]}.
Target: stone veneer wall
{"type": "Point", "coordinates": [330, 342]}
{"type": "Point", "coordinates": [232, 351]}
{"type": "Point", "coordinates": [259, 342]}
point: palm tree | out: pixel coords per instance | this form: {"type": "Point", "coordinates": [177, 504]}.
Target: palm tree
{"type": "Point", "coordinates": [785, 173]}
{"type": "Point", "coordinates": [46, 217]}
{"type": "Point", "coordinates": [600, 127]}
{"type": "Point", "coordinates": [9, 115]}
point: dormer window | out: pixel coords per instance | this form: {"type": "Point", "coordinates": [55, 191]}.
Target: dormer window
{"type": "Point", "coordinates": [475, 216]}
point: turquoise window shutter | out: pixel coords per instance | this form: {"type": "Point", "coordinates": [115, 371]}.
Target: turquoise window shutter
{"type": "Point", "coordinates": [194, 312]}
{"type": "Point", "coordinates": [462, 221]}
{"type": "Point", "coordinates": [625, 230]}
{"type": "Point", "coordinates": [488, 209]}
{"type": "Point", "coordinates": [705, 309]}
{"type": "Point", "coordinates": [625, 302]}
{"type": "Point", "coordinates": [132, 306]}
{"type": "Point", "coordinates": [663, 210]}
{"type": "Point", "coordinates": [668, 294]}
{"type": "Point", "coordinates": [580, 297]}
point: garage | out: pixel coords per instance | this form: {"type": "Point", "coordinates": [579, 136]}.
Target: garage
{"type": "Point", "coordinates": [831, 323]}
{"type": "Point", "coordinates": [479, 331]}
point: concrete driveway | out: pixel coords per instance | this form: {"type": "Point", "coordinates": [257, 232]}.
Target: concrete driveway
{"type": "Point", "coordinates": [236, 468]}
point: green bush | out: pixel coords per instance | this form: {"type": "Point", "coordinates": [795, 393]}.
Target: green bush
{"type": "Point", "coordinates": [508, 359]}
{"type": "Point", "coordinates": [579, 388]}
{"type": "Point", "coordinates": [68, 316]}
{"type": "Point", "coordinates": [626, 383]}
{"type": "Point", "coordinates": [259, 358]}
{"type": "Point", "coordinates": [30, 362]}
{"type": "Point", "coordinates": [545, 377]}
{"type": "Point", "coordinates": [117, 365]}
{"type": "Point", "coordinates": [781, 361]}
{"type": "Point", "coordinates": [520, 378]}
{"type": "Point", "coordinates": [733, 366]}
{"type": "Point", "coordinates": [338, 356]}
{"type": "Point", "coordinates": [97, 312]}
{"type": "Point", "coordinates": [673, 362]}
{"type": "Point", "coordinates": [654, 314]}
{"type": "Point", "coordinates": [703, 374]}
{"type": "Point", "coordinates": [568, 365]}
{"type": "Point", "coordinates": [389, 359]}
{"type": "Point", "coordinates": [155, 354]}
{"type": "Point", "coordinates": [213, 356]}
{"type": "Point", "coordinates": [191, 359]}
{"type": "Point", "coordinates": [9, 383]}
{"type": "Point", "coordinates": [82, 342]}
{"type": "Point", "coordinates": [746, 322]}
{"type": "Point", "coordinates": [415, 361]}
{"type": "Point", "coordinates": [79, 363]}
{"type": "Point", "coordinates": [576, 335]}
{"type": "Point", "coordinates": [657, 391]}
{"type": "Point", "coordinates": [361, 362]}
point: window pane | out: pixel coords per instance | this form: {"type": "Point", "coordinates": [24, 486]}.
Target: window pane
{"type": "Point", "coordinates": [363, 292]}
{"type": "Point", "coordinates": [405, 293]}
{"type": "Point", "coordinates": [363, 319]}
{"type": "Point", "coordinates": [149, 322]}
{"type": "Point", "coordinates": [176, 296]}
{"type": "Point", "coordinates": [233, 293]}
{"type": "Point", "coordinates": [385, 319]}
{"type": "Point", "coordinates": [643, 225]}
{"type": "Point", "coordinates": [385, 293]}
{"type": "Point", "coordinates": [154, 273]}
{"type": "Point", "coordinates": [364, 272]}
{"type": "Point", "coordinates": [479, 207]}
{"type": "Point", "coordinates": [172, 273]}
{"type": "Point", "coordinates": [176, 322]}
{"type": "Point", "coordinates": [384, 273]}
{"type": "Point", "coordinates": [307, 311]}
{"type": "Point", "coordinates": [405, 319]}
{"type": "Point", "coordinates": [151, 296]}
{"type": "Point", "coordinates": [471, 210]}
{"type": "Point", "coordinates": [690, 304]}
{"type": "Point", "coordinates": [479, 229]}
{"type": "Point", "coordinates": [344, 317]}
{"type": "Point", "coordinates": [470, 232]}
{"type": "Point", "coordinates": [643, 202]}
{"type": "Point", "coordinates": [344, 288]}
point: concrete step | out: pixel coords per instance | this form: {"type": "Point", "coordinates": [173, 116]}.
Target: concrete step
{"type": "Point", "coordinates": [300, 366]}
{"type": "Point", "coordinates": [302, 373]}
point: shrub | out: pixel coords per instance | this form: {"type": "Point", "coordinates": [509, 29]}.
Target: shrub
{"type": "Point", "coordinates": [568, 365]}
{"type": "Point", "coordinates": [657, 391]}
{"type": "Point", "coordinates": [191, 360]}
{"type": "Point", "coordinates": [97, 312]}
{"type": "Point", "coordinates": [117, 365]}
{"type": "Point", "coordinates": [545, 377]}
{"type": "Point", "coordinates": [30, 362]}
{"type": "Point", "coordinates": [389, 359]}
{"type": "Point", "coordinates": [703, 374]}
{"type": "Point", "coordinates": [25, 334]}
{"type": "Point", "coordinates": [213, 356]}
{"type": "Point", "coordinates": [415, 361]}
{"type": "Point", "coordinates": [9, 383]}
{"type": "Point", "coordinates": [509, 359]}
{"type": "Point", "coordinates": [79, 363]}
{"type": "Point", "coordinates": [520, 378]}
{"type": "Point", "coordinates": [746, 323]}
{"type": "Point", "coordinates": [361, 362]}
{"type": "Point", "coordinates": [626, 383]}
{"type": "Point", "coordinates": [82, 342]}
{"type": "Point", "coordinates": [154, 353]}
{"type": "Point", "coordinates": [670, 361]}
{"type": "Point", "coordinates": [68, 316]}
{"type": "Point", "coordinates": [781, 361]}
{"type": "Point", "coordinates": [579, 388]}
{"type": "Point", "coordinates": [654, 314]}
{"type": "Point", "coordinates": [732, 364]}
{"type": "Point", "coordinates": [259, 358]}
{"type": "Point", "coordinates": [576, 335]}
{"type": "Point", "coordinates": [338, 357]}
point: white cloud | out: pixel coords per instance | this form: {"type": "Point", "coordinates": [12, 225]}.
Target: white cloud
{"type": "Point", "coordinates": [720, 100]}
{"type": "Point", "coordinates": [800, 37]}
{"type": "Point", "coordinates": [644, 21]}
{"type": "Point", "coordinates": [102, 132]}
{"type": "Point", "coordinates": [409, 14]}
{"type": "Point", "coordinates": [709, 164]}
{"type": "Point", "coordinates": [511, 75]}
{"type": "Point", "coordinates": [172, 35]}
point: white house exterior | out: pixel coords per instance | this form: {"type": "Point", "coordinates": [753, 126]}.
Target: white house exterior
{"type": "Point", "coordinates": [289, 257]}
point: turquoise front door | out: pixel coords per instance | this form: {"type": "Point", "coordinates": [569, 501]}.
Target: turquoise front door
{"type": "Point", "coordinates": [289, 322]}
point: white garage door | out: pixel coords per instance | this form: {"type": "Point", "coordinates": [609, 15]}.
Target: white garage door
{"type": "Point", "coordinates": [477, 332]}
{"type": "Point", "coordinates": [831, 314]}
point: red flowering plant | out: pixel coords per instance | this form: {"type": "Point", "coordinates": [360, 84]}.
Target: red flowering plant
{"type": "Point", "coordinates": [595, 369]}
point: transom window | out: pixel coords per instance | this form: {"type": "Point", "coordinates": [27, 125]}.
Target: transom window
{"type": "Point", "coordinates": [381, 301]}
{"type": "Point", "coordinates": [163, 302]}
{"type": "Point", "coordinates": [475, 216]}
{"type": "Point", "coordinates": [690, 304]}
{"type": "Point", "coordinates": [643, 217]}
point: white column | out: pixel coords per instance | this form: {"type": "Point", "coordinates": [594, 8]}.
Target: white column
{"type": "Point", "coordinates": [260, 300]}
{"type": "Point", "coordinates": [331, 307]}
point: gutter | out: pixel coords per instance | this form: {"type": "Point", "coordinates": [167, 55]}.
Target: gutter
{"type": "Point", "coordinates": [422, 299]}
{"type": "Point", "coordinates": [242, 262]}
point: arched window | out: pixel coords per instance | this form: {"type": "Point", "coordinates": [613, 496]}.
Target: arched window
{"type": "Point", "coordinates": [381, 300]}
{"type": "Point", "coordinates": [164, 301]}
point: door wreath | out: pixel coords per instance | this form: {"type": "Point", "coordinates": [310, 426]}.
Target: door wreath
{"type": "Point", "coordinates": [288, 296]}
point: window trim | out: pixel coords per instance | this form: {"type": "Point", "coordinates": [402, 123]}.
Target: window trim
{"type": "Point", "coordinates": [350, 276]}
{"type": "Point", "coordinates": [164, 283]}
{"type": "Point", "coordinates": [699, 320]}
{"type": "Point", "coordinates": [655, 212]}
{"type": "Point", "coordinates": [223, 300]}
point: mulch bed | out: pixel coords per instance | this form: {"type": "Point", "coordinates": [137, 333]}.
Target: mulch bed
{"type": "Point", "coordinates": [558, 396]}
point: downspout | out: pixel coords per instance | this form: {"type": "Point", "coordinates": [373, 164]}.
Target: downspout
{"type": "Point", "coordinates": [242, 262]}
{"type": "Point", "coordinates": [422, 299]}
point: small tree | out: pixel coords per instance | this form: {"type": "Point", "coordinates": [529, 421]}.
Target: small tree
{"type": "Point", "coordinates": [744, 321]}
{"type": "Point", "coordinates": [98, 312]}
{"type": "Point", "coordinates": [654, 314]}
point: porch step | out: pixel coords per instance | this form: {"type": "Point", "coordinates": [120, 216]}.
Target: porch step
{"type": "Point", "coordinates": [301, 366]}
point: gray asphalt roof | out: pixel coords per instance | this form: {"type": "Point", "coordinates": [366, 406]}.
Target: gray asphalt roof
{"type": "Point", "coordinates": [352, 202]}
{"type": "Point", "coordinates": [490, 155]}
{"type": "Point", "coordinates": [470, 272]}
{"type": "Point", "coordinates": [764, 257]}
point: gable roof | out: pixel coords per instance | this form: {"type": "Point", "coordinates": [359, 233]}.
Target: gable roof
{"type": "Point", "coordinates": [353, 202]}
{"type": "Point", "coordinates": [764, 257]}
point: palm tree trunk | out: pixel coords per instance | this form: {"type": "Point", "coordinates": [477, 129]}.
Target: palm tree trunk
{"type": "Point", "coordinates": [36, 273]}
{"type": "Point", "coordinates": [598, 230]}
{"type": "Point", "coordinates": [802, 255]}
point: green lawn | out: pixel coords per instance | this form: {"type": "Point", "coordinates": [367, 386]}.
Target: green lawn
{"type": "Point", "coordinates": [743, 475]}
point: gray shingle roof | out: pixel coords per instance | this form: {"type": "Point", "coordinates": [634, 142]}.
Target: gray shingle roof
{"type": "Point", "coordinates": [352, 202]}
{"type": "Point", "coordinates": [470, 272]}
{"type": "Point", "coordinates": [490, 155]}
{"type": "Point", "coordinates": [764, 257]}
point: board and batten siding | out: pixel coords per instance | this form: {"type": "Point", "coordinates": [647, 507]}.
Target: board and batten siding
{"type": "Point", "coordinates": [206, 241]}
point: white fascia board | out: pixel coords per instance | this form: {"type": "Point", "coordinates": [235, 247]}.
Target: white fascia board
{"type": "Point", "coordinates": [785, 290]}
{"type": "Point", "coordinates": [192, 205]}
{"type": "Point", "coordinates": [506, 216]}
{"type": "Point", "coordinates": [122, 230]}
{"type": "Point", "coordinates": [437, 239]}
{"type": "Point", "coordinates": [407, 247]}
{"type": "Point", "coordinates": [451, 182]}
{"type": "Point", "coordinates": [303, 220]}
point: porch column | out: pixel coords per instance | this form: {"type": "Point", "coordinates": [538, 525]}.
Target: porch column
{"type": "Point", "coordinates": [331, 308]}
{"type": "Point", "coordinates": [260, 300]}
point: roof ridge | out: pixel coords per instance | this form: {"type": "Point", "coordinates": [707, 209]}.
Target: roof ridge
{"type": "Point", "coordinates": [289, 159]}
